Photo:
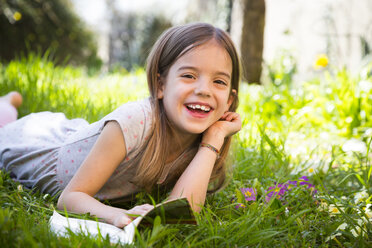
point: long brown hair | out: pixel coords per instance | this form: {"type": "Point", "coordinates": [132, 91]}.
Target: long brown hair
{"type": "Point", "coordinates": [171, 45]}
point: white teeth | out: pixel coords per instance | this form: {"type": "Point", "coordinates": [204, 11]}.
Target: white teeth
{"type": "Point", "coordinates": [197, 106]}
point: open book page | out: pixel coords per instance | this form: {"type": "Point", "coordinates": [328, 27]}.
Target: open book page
{"type": "Point", "coordinates": [60, 225]}
{"type": "Point", "coordinates": [171, 212]}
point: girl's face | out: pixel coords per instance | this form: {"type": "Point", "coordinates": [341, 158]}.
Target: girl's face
{"type": "Point", "coordinates": [197, 89]}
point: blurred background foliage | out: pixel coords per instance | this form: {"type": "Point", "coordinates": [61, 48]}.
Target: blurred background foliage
{"type": "Point", "coordinates": [56, 27]}
{"type": "Point", "coordinates": [42, 25]}
{"type": "Point", "coordinates": [121, 39]}
{"type": "Point", "coordinates": [132, 37]}
{"type": "Point", "coordinates": [133, 33]}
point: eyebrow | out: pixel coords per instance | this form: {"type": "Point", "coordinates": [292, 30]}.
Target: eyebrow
{"type": "Point", "coordinates": [195, 69]}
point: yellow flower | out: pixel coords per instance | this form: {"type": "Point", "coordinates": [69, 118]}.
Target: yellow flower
{"type": "Point", "coordinates": [321, 61]}
{"type": "Point", "coordinates": [17, 16]}
{"type": "Point", "coordinates": [361, 196]}
{"type": "Point", "coordinates": [310, 170]}
{"type": "Point", "coordinates": [333, 209]}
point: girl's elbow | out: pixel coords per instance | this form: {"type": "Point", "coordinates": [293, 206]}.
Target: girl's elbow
{"type": "Point", "coordinates": [61, 203]}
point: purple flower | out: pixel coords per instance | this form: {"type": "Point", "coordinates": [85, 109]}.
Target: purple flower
{"type": "Point", "coordinates": [304, 178]}
{"type": "Point", "coordinates": [270, 194]}
{"type": "Point", "coordinates": [277, 191]}
{"type": "Point", "coordinates": [309, 185]}
{"type": "Point", "coordinates": [249, 193]}
{"type": "Point", "coordinates": [281, 189]}
{"type": "Point", "coordinates": [239, 205]}
{"type": "Point", "coordinates": [294, 183]}
{"type": "Point", "coordinates": [291, 184]}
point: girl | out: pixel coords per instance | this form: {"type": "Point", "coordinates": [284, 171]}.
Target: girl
{"type": "Point", "coordinates": [178, 138]}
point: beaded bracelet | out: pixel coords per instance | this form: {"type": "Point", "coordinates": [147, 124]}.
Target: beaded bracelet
{"type": "Point", "coordinates": [212, 148]}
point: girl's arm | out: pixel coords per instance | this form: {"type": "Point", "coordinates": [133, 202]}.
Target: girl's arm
{"type": "Point", "coordinates": [193, 183]}
{"type": "Point", "coordinates": [106, 154]}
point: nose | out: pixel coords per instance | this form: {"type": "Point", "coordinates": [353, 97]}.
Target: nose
{"type": "Point", "coordinates": [202, 87]}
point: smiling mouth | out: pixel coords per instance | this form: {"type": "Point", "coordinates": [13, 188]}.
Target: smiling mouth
{"type": "Point", "coordinates": [198, 108]}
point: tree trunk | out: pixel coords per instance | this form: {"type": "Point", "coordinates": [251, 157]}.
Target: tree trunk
{"type": "Point", "coordinates": [229, 14]}
{"type": "Point", "coordinates": [252, 39]}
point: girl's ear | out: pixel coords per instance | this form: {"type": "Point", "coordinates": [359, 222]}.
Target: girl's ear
{"type": "Point", "coordinates": [160, 92]}
{"type": "Point", "coordinates": [231, 97]}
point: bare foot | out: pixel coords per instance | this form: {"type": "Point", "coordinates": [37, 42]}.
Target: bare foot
{"type": "Point", "coordinates": [13, 98]}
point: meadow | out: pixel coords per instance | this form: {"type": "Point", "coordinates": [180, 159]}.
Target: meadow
{"type": "Point", "coordinates": [300, 171]}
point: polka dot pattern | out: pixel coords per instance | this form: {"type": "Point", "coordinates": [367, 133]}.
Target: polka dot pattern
{"type": "Point", "coordinates": [133, 121]}
{"type": "Point", "coordinates": [44, 150]}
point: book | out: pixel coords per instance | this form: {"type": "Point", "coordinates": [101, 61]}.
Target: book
{"type": "Point", "coordinates": [176, 211]}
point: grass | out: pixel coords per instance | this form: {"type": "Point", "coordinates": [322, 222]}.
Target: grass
{"type": "Point", "coordinates": [321, 128]}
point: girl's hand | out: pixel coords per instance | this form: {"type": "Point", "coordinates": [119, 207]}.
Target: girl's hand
{"type": "Point", "coordinates": [229, 124]}
{"type": "Point", "coordinates": [125, 219]}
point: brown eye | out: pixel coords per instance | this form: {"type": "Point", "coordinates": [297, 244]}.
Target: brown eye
{"type": "Point", "coordinates": [188, 76]}
{"type": "Point", "coordinates": [220, 82]}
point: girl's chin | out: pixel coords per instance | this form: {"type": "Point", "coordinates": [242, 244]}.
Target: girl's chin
{"type": "Point", "coordinates": [195, 131]}
{"type": "Point", "coordinates": [190, 130]}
